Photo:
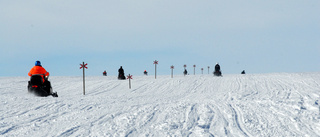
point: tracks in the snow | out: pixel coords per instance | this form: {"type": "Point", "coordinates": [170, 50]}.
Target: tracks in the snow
{"type": "Point", "coordinates": [234, 105]}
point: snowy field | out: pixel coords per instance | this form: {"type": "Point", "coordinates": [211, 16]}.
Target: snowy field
{"type": "Point", "coordinates": [285, 104]}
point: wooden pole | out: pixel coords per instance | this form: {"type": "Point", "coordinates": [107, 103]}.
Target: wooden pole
{"type": "Point", "coordinates": [84, 92]}
{"type": "Point", "coordinates": [171, 73]}
{"type": "Point", "coordinates": [184, 66]}
{"type": "Point", "coordinates": [172, 67]}
{"type": "Point", "coordinates": [129, 81]}
{"type": "Point", "coordinates": [155, 69]}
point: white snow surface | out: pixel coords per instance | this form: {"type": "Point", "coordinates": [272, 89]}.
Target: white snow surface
{"type": "Point", "coordinates": [282, 104]}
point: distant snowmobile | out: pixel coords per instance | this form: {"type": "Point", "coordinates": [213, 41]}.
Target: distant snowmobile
{"type": "Point", "coordinates": [39, 88]}
{"type": "Point", "coordinates": [243, 72]}
{"type": "Point", "coordinates": [185, 72]}
{"type": "Point", "coordinates": [145, 72]}
{"type": "Point", "coordinates": [104, 73]}
{"type": "Point", "coordinates": [217, 71]}
{"type": "Point", "coordinates": [121, 75]}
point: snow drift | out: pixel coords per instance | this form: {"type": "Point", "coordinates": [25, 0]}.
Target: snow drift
{"type": "Point", "coordinates": [202, 105]}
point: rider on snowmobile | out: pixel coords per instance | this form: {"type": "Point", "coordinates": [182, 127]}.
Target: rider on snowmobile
{"type": "Point", "coordinates": [217, 71]}
{"type": "Point", "coordinates": [185, 72]}
{"type": "Point", "coordinates": [145, 72]}
{"type": "Point", "coordinates": [104, 73]}
{"type": "Point", "coordinates": [121, 73]}
{"type": "Point", "coordinates": [38, 70]}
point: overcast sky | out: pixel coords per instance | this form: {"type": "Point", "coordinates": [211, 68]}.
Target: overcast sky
{"type": "Point", "coordinates": [256, 36]}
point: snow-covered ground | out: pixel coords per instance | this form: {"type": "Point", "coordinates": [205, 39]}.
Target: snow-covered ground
{"type": "Point", "coordinates": [285, 104]}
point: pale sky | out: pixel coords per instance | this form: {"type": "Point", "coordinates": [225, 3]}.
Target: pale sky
{"type": "Point", "coordinates": [257, 36]}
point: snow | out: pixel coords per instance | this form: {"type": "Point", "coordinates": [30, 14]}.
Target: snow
{"type": "Point", "coordinates": [283, 104]}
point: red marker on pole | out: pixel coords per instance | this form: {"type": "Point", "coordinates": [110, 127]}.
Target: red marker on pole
{"type": "Point", "coordinates": [82, 67]}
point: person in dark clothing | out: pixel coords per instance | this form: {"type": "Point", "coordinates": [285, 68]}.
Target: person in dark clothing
{"type": "Point", "coordinates": [243, 72]}
{"type": "Point", "coordinates": [104, 73]}
{"type": "Point", "coordinates": [185, 72]}
{"type": "Point", "coordinates": [121, 73]}
{"type": "Point", "coordinates": [217, 67]}
{"type": "Point", "coordinates": [217, 71]}
{"type": "Point", "coordinates": [145, 72]}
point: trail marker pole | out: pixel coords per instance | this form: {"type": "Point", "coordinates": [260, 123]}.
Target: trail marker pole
{"type": "Point", "coordinates": [82, 67]}
{"type": "Point", "coordinates": [155, 68]}
{"type": "Point", "coordinates": [194, 69]}
{"type": "Point", "coordinates": [172, 67]}
{"type": "Point", "coordinates": [208, 69]}
{"type": "Point", "coordinates": [129, 77]}
{"type": "Point", "coordinates": [201, 70]}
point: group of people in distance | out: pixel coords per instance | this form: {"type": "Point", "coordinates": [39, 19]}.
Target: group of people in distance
{"type": "Point", "coordinates": [217, 72]}
{"type": "Point", "coordinates": [40, 84]}
{"type": "Point", "coordinates": [121, 75]}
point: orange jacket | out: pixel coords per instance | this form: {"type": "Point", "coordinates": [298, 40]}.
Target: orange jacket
{"type": "Point", "coordinates": [38, 70]}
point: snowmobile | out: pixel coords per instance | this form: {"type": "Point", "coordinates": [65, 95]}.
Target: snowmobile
{"type": "Point", "coordinates": [104, 73]}
{"type": "Point", "coordinates": [37, 87]}
{"type": "Point", "coordinates": [145, 73]}
{"type": "Point", "coordinates": [217, 73]}
{"type": "Point", "coordinates": [121, 75]}
{"type": "Point", "coordinates": [243, 72]}
{"type": "Point", "coordinates": [185, 72]}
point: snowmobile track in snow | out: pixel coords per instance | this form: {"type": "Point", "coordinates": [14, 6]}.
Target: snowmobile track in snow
{"type": "Point", "coordinates": [236, 120]}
